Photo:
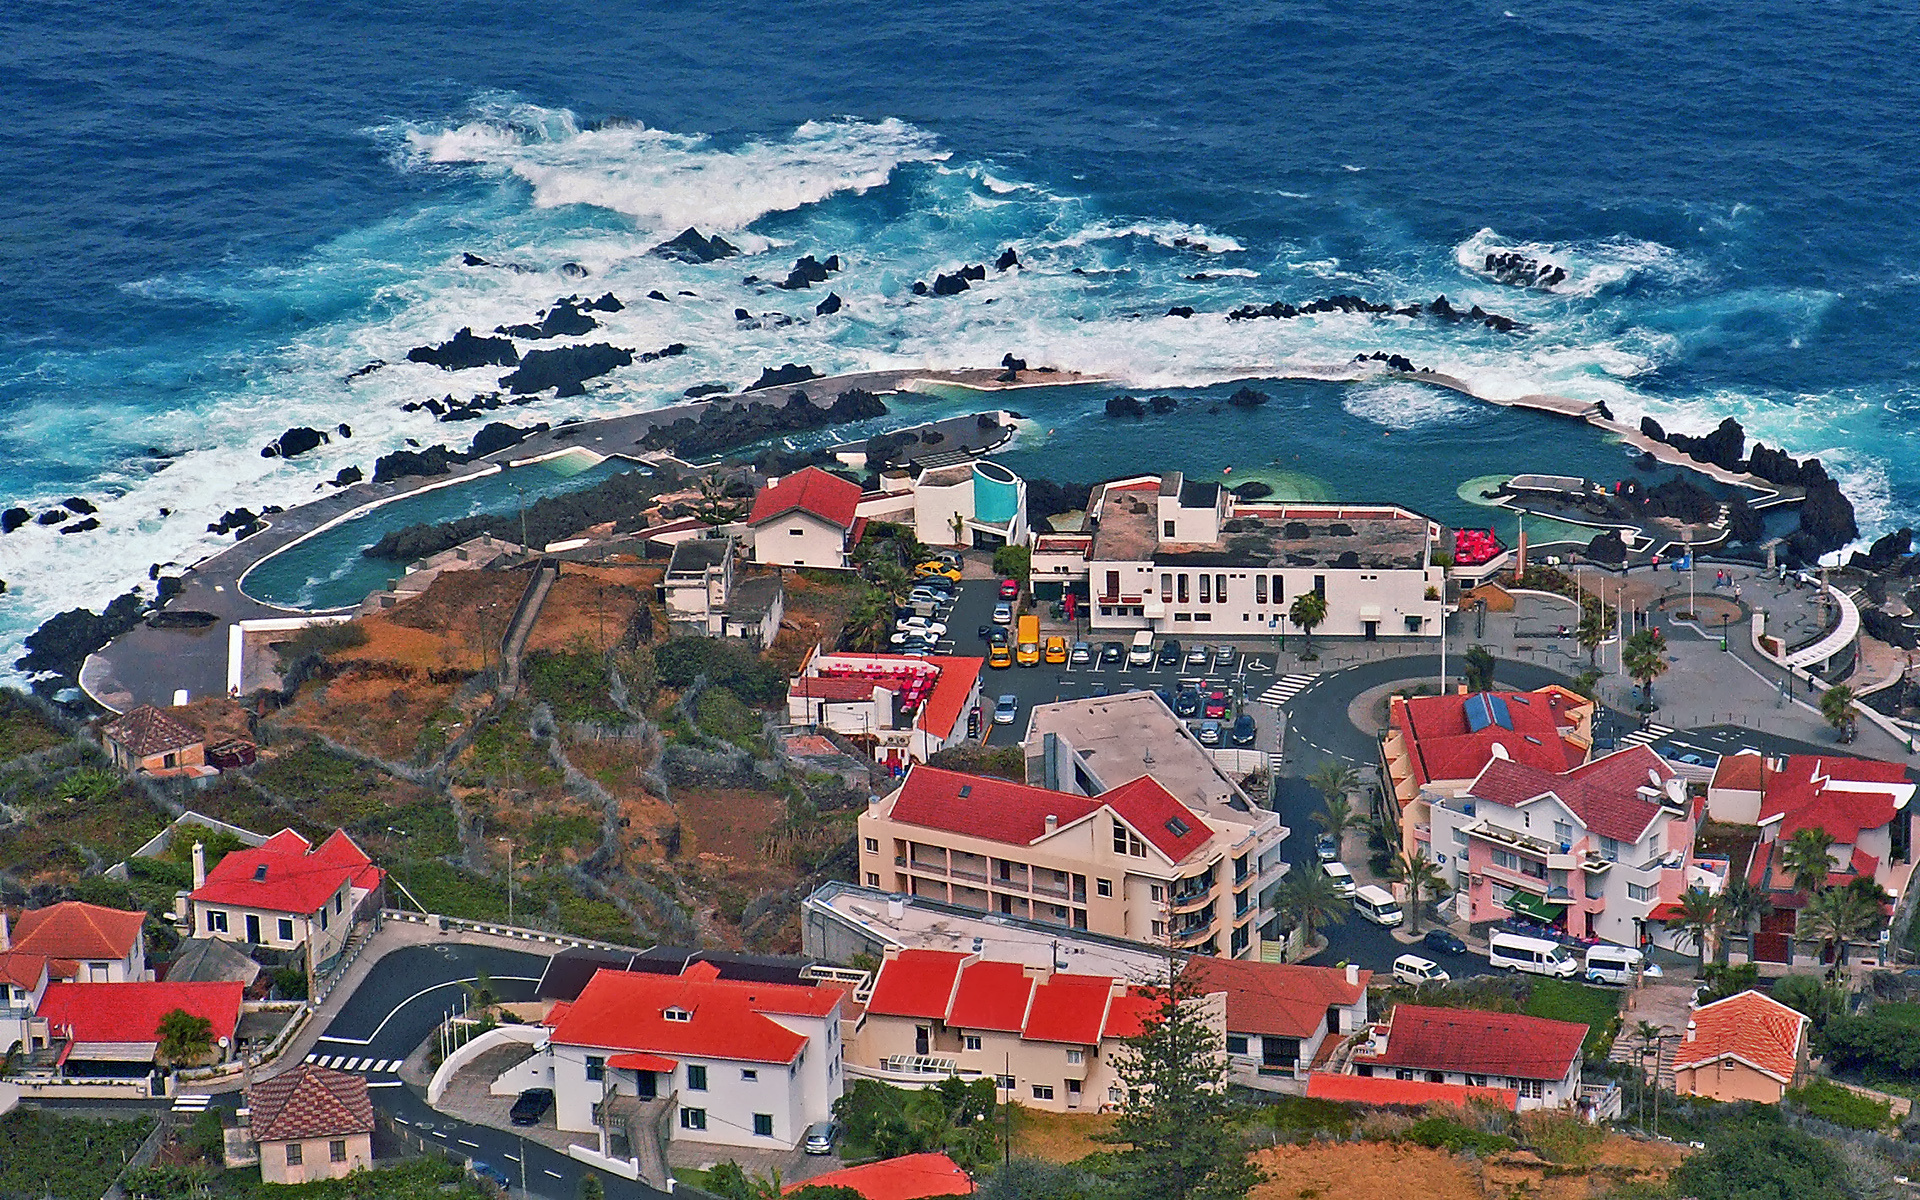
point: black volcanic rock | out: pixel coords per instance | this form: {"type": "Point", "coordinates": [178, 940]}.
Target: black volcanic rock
{"type": "Point", "coordinates": [705, 389]}
{"type": "Point", "coordinates": [1826, 515]}
{"type": "Point", "coordinates": [293, 443]}
{"type": "Point", "coordinates": [781, 376]}
{"type": "Point", "coordinates": [473, 260]}
{"type": "Point", "coordinates": [81, 526]}
{"type": "Point", "coordinates": [1724, 447]}
{"type": "Point", "coordinates": [465, 350]}
{"type": "Point", "coordinates": [63, 642]}
{"type": "Point", "coordinates": [807, 272]}
{"type": "Point", "coordinates": [1125, 406]}
{"type": "Point", "coordinates": [1011, 363]}
{"type": "Point", "coordinates": [1246, 397]}
{"type": "Point", "coordinates": [950, 285]}
{"type": "Point", "coordinates": [1162, 404]}
{"type": "Point", "coordinates": [1607, 548]}
{"type": "Point", "coordinates": [1886, 550]}
{"type": "Point", "coordinates": [498, 435]}
{"type": "Point", "coordinates": [657, 294]}
{"type": "Point", "coordinates": [691, 247]}
{"type": "Point", "coordinates": [1888, 630]}
{"type": "Point", "coordinates": [52, 516]}
{"type": "Point", "coordinates": [1180, 310]}
{"type": "Point", "coordinates": [1008, 259]}
{"type": "Point", "coordinates": [606, 303]}
{"type": "Point", "coordinates": [234, 518]}
{"type": "Point", "coordinates": [831, 304]}
{"type": "Point", "coordinates": [573, 270]}
{"type": "Point", "coordinates": [565, 369]}
{"type": "Point", "coordinates": [14, 518]}
{"type": "Point", "coordinates": [79, 505]}
{"type": "Point", "coordinates": [1651, 428]}
{"type": "Point", "coordinates": [343, 429]}
{"type": "Point", "coordinates": [564, 319]}
{"type": "Point", "coordinates": [434, 460]}
{"type": "Point", "coordinates": [347, 477]}
{"type": "Point", "coordinates": [723, 427]}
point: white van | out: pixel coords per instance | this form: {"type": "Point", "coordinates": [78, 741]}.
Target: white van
{"type": "Point", "coordinates": [1536, 956]}
{"type": "Point", "coordinates": [1411, 968]}
{"type": "Point", "coordinates": [1377, 904]}
{"type": "Point", "coordinates": [1618, 964]}
{"type": "Point", "coordinates": [1141, 655]}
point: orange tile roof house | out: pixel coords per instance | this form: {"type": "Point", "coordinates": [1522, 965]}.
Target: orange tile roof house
{"type": "Point", "coordinates": [1746, 1047]}
{"type": "Point", "coordinates": [909, 1177]}
{"type": "Point", "coordinates": [311, 1123]}
{"type": "Point", "coordinates": [744, 1063]}
{"type": "Point", "coordinates": [806, 519]}
{"type": "Point", "coordinates": [148, 740]}
{"type": "Point", "coordinates": [286, 893]}
{"type": "Point", "coordinates": [1534, 1056]}
{"type": "Point", "coordinates": [1047, 1035]}
{"type": "Point", "coordinates": [1282, 1017]}
{"type": "Point", "coordinates": [84, 943]}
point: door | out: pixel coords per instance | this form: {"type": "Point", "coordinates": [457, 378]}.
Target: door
{"type": "Point", "coordinates": [1371, 629]}
{"type": "Point", "coordinates": [253, 929]}
{"type": "Point", "coordinates": [644, 1083]}
{"type": "Point", "coordinates": [922, 1037]}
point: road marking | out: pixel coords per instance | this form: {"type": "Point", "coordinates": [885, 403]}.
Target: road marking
{"type": "Point", "coordinates": [194, 1103]}
{"type": "Point", "coordinates": [1640, 737]}
{"type": "Point", "coordinates": [368, 1040]}
{"type": "Point", "coordinates": [555, 1174]}
{"type": "Point", "coordinates": [465, 1142]}
{"type": "Point", "coordinates": [511, 1157]}
{"type": "Point", "coordinates": [438, 1134]}
{"type": "Point", "coordinates": [385, 1083]}
{"type": "Point", "coordinates": [403, 1120]}
{"type": "Point", "coordinates": [312, 1058]}
{"type": "Point", "coordinates": [1286, 688]}
{"type": "Point", "coordinates": [348, 1041]}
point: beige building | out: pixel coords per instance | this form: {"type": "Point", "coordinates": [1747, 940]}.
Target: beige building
{"type": "Point", "coordinates": [1048, 1038]}
{"type": "Point", "coordinates": [806, 520]}
{"type": "Point", "coordinates": [1746, 1047]}
{"type": "Point", "coordinates": [285, 894]}
{"type": "Point", "coordinates": [148, 740]}
{"type": "Point", "coordinates": [1132, 862]}
{"type": "Point", "coordinates": [311, 1123]}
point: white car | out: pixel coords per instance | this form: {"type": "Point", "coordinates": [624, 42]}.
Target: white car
{"type": "Point", "coordinates": [922, 625]}
{"type": "Point", "coordinates": [1411, 968]}
{"type": "Point", "coordinates": [1342, 878]}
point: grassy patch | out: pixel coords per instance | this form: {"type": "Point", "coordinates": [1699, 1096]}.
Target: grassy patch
{"type": "Point", "coordinates": [1444, 1133]}
{"type": "Point", "coordinates": [22, 729]}
{"type": "Point", "coordinates": [1831, 1102]}
{"type": "Point", "coordinates": [44, 1154]}
{"type": "Point", "coordinates": [1596, 1008]}
{"type": "Point", "coordinates": [328, 786]}
{"type": "Point", "coordinates": [574, 685]}
{"type": "Point", "coordinates": [720, 714]}
{"type": "Point", "coordinates": [539, 900]}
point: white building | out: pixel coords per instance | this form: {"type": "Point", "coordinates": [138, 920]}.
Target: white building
{"type": "Point", "coordinates": [740, 1063]}
{"type": "Point", "coordinates": [705, 597]}
{"type": "Point", "coordinates": [284, 894]}
{"type": "Point", "coordinates": [1188, 558]}
{"type": "Point", "coordinates": [1533, 1056]}
{"type": "Point", "coordinates": [972, 503]}
{"type": "Point", "coordinates": [906, 709]}
{"type": "Point", "coordinates": [807, 519]}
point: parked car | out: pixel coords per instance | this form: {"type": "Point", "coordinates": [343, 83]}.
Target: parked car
{"type": "Point", "coordinates": [999, 654]}
{"type": "Point", "coordinates": [1003, 613]}
{"type": "Point", "coordinates": [531, 1105]}
{"type": "Point", "coordinates": [1056, 650]}
{"type": "Point", "coordinates": [1411, 968]}
{"type": "Point", "coordinates": [1169, 654]}
{"type": "Point", "coordinates": [1342, 878]}
{"type": "Point", "coordinates": [1443, 941]}
{"type": "Point", "coordinates": [1243, 730]}
{"type": "Point", "coordinates": [1198, 658]}
{"type": "Point", "coordinates": [987, 632]}
{"type": "Point", "coordinates": [1009, 589]}
{"type": "Point", "coordinates": [1326, 847]}
{"type": "Point", "coordinates": [1216, 707]}
{"type": "Point", "coordinates": [1112, 652]}
{"type": "Point", "coordinates": [488, 1173]}
{"type": "Point", "coordinates": [1082, 653]}
{"type": "Point", "coordinates": [1187, 703]}
{"type": "Point", "coordinates": [1209, 733]}
{"type": "Point", "coordinates": [1224, 657]}
{"type": "Point", "coordinates": [1005, 709]}
{"type": "Point", "coordinates": [820, 1137]}
{"type": "Point", "coordinates": [939, 569]}
{"type": "Point", "coordinates": [1376, 904]}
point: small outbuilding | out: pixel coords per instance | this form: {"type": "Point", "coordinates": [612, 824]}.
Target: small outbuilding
{"type": "Point", "coordinates": [311, 1123]}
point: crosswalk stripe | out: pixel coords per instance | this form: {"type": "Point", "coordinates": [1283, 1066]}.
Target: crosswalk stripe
{"type": "Point", "coordinates": [313, 1058]}
{"type": "Point", "coordinates": [359, 1064]}
{"type": "Point", "coordinates": [1286, 688]}
{"type": "Point", "coordinates": [1652, 733]}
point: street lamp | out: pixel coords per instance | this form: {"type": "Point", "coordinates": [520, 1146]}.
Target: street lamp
{"type": "Point", "coordinates": [509, 842]}
{"type": "Point", "coordinates": [405, 868]}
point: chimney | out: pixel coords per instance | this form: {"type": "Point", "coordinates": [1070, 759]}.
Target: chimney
{"type": "Point", "coordinates": [6, 934]}
{"type": "Point", "coordinates": [199, 865]}
{"type": "Point", "coordinates": [1053, 822]}
{"type": "Point", "coordinates": [1353, 975]}
{"type": "Point", "coordinates": [896, 908]}
{"type": "Point", "coordinates": [1693, 1030]}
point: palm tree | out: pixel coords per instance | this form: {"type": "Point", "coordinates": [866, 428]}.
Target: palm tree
{"type": "Point", "coordinates": [1646, 660]}
{"type": "Point", "coordinates": [1593, 630]}
{"type": "Point", "coordinates": [1335, 817]}
{"type": "Point", "coordinates": [1309, 609]}
{"type": "Point", "coordinates": [1741, 904]}
{"type": "Point", "coordinates": [1649, 1035]}
{"type": "Point", "coordinates": [1477, 665]}
{"type": "Point", "coordinates": [1806, 856]}
{"type": "Point", "coordinates": [1836, 705]}
{"type": "Point", "coordinates": [1310, 899]}
{"type": "Point", "coordinates": [958, 524]}
{"type": "Point", "coordinates": [1838, 916]}
{"type": "Point", "coordinates": [1421, 878]}
{"type": "Point", "coordinates": [1333, 779]}
{"type": "Point", "coordinates": [1699, 916]}
{"type": "Point", "coordinates": [870, 623]}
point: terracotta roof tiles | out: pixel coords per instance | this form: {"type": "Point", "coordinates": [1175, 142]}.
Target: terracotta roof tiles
{"type": "Point", "coordinates": [726, 1019]}
{"type": "Point", "coordinates": [1283, 999]}
{"type": "Point", "coordinates": [146, 731]}
{"type": "Point", "coordinates": [1478, 1043]}
{"type": "Point", "coordinates": [1758, 1030]}
{"type": "Point", "coordinates": [310, 1102]}
{"type": "Point", "coordinates": [75, 930]}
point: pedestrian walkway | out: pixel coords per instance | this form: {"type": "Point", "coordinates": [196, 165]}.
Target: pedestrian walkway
{"type": "Point", "coordinates": [1653, 731]}
{"type": "Point", "coordinates": [1286, 688]}
{"type": "Point", "coordinates": [342, 1062]}
{"type": "Point", "coordinates": [191, 1104]}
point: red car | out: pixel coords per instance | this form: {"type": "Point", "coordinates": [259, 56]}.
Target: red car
{"type": "Point", "coordinates": [1009, 588]}
{"type": "Point", "coordinates": [1216, 705]}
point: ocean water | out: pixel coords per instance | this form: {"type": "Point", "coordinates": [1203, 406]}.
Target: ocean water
{"type": "Point", "coordinates": [214, 214]}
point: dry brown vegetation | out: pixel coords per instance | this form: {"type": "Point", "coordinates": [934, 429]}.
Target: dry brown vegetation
{"type": "Point", "coordinates": [1382, 1170]}
{"type": "Point", "coordinates": [817, 606]}
{"type": "Point", "coordinates": [591, 606]}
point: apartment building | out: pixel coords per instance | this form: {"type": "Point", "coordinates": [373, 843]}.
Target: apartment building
{"type": "Point", "coordinates": [1595, 850]}
{"type": "Point", "coordinates": [1436, 746]}
{"type": "Point", "coordinates": [1047, 1037]}
{"type": "Point", "coordinates": [1188, 558]}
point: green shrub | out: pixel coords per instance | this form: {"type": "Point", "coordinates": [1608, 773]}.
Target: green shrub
{"type": "Point", "coordinates": [679, 661]}
{"type": "Point", "coordinates": [1444, 1133]}
{"type": "Point", "coordinates": [1761, 1159]}
{"type": "Point", "coordinates": [42, 1153]}
{"type": "Point", "coordinates": [720, 714]}
{"type": "Point", "coordinates": [574, 684]}
{"type": "Point", "coordinates": [1830, 1102]}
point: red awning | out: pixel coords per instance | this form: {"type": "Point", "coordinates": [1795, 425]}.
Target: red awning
{"type": "Point", "coordinates": [1664, 912]}
{"type": "Point", "coordinates": [642, 1062]}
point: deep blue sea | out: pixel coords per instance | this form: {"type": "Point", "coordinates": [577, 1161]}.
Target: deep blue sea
{"type": "Point", "coordinates": [213, 214]}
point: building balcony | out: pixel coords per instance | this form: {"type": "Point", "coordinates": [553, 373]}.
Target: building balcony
{"type": "Point", "coordinates": [1500, 835]}
{"type": "Point", "coordinates": [963, 873]}
{"type": "Point", "coordinates": [1186, 901]}
{"type": "Point", "coordinates": [1187, 934]}
{"type": "Point", "coordinates": [1518, 879]}
{"type": "Point", "coordinates": [919, 867]}
{"type": "Point", "coordinates": [1050, 890]}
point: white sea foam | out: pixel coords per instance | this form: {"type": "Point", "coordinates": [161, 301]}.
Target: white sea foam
{"type": "Point", "coordinates": [1400, 405]}
{"type": "Point", "coordinates": [1592, 266]}
{"type": "Point", "coordinates": [1167, 233]}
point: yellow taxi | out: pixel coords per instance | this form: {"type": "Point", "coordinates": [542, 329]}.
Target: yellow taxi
{"type": "Point", "coordinates": [936, 567]}
{"type": "Point", "coordinates": [1056, 650]}
{"type": "Point", "coordinates": [999, 655]}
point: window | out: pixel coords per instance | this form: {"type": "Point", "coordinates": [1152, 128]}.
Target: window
{"type": "Point", "coordinates": [696, 1118]}
{"type": "Point", "coordinates": [696, 1079]}
{"type": "Point", "coordinates": [337, 1151]}
{"type": "Point", "coordinates": [1159, 929]}
{"type": "Point", "coordinates": [1166, 529]}
{"type": "Point", "coordinates": [1459, 835]}
{"type": "Point", "coordinates": [1236, 1043]}
{"type": "Point", "coordinates": [790, 533]}
{"type": "Point", "coordinates": [1180, 587]}
{"type": "Point", "coordinates": [763, 1124]}
{"type": "Point", "coordinates": [1103, 887]}
{"type": "Point", "coordinates": [1076, 1057]}
{"type": "Point", "coordinates": [323, 916]}
{"type": "Point", "coordinates": [1259, 589]}
{"type": "Point", "coordinates": [339, 902]}
{"type": "Point", "coordinates": [873, 845]}
{"type": "Point", "coordinates": [596, 1068]}
{"type": "Point", "coordinates": [1532, 1089]}
{"type": "Point", "coordinates": [1402, 1073]}
{"type": "Point", "coordinates": [1636, 892]}
{"type": "Point", "coordinates": [286, 929]}
{"type": "Point", "coordinates": [294, 1158]}
{"type": "Point", "coordinates": [1203, 616]}
{"type": "Point", "coordinates": [1166, 586]}
{"type": "Point", "coordinates": [749, 1076]}
{"type": "Point", "coordinates": [1220, 588]}
{"type": "Point", "coordinates": [676, 1013]}
{"type": "Point", "coordinates": [1003, 1082]}
{"type": "Point", "coordinates": [1610, 849]}
{"type": "Point", "coordinates": [873, 880]}
{"type": "Point", "coordinates": [970, 1041]}
{"type": "Point", "coordinates": [1156, 893]}
{"type": "Point", "coordinates": [1563, 831]}
{"type": "Point", "coordinates": [1279, 590]}
{"type": "Point", "coordinates": [1043, 1091]}
{"type": "Point", "coordinates": [1206, 589]}
{"type": "Point", "coordinates": [216, 920]}
{"type": "Point", "coordinates": [1502, 895]}
{"type": "Point", "coordinates": [1506, 859]}
{"type": "Point", "coordinates": [1320, 585]}
{"type": "Point", "coordinates": [1125, 841]}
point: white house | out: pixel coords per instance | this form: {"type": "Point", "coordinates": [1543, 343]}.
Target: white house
{"type": "Point", "coordinates": [907, 709]}
{"type": "Point", "coordinates": [1189, 558]}
{"type": "Point", "coordinates": [83, 943]}
{"type": "Point", "coordinates": [23, 981]}
{"type": "Point", "coordinates": [285, 894]}
{"type": "Point", "coordinates": [741, 1063]}
{"type": "Point", "coordinates": [1534, 1056]}
{"type": "Point", "coordinates": [704, 596]}
{"type": "Point", "coordinates": [807, 519]}
{"type": "Point", "coordinates": [972, 503]}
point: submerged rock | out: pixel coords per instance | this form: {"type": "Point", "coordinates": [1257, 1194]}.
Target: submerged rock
{"type": "Point", "coordinates": [690, 246]}
{"type": "Point", "coordinates": [1246, 397]}
{"type": "Point", "coordinates": [81, 526]}
{"type": "Point", "coordinates": [1007, 260]}
{"type": "Point", "coordinates": [293, 443]}
{"type": "Point", "coordinates": [828, 306]}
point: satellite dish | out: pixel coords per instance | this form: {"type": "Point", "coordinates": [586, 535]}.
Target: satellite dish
{"type": "Point", "coordinates": [224, 1043]}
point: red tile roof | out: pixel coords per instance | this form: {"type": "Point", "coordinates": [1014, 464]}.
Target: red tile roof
{"type": "Point", "coordinates": [812, 490]}
{"type": "Point", "coordinates": [1129, 1013]}
{"type": "Point", "coordinates": [1478, 1043]}
{"type": "Point", "coordinates": [1603, 793]}
{"type": "Point", "coordinates": [1746, 771]}
{"type": "Point", "coordinates": [729, 1019]}
{"type": "Point", "coordinates": [146, 731]}
{"type": "Point", "coordinates": [981, 806]}
{"type": "Point", "coordinates": [131, 1012]}
{"type": "Point", "coordinates": [24, 971]}
{"type": "Point", "coordinates": [1812, 791]}
{"type": "Point", "coordinates": [1755, 1029]}
{"type": "Point", "coordinates": [942, 708]}
{"type": "Point", "coordinates": [297, 878]}
{"type": "Point", "coordinates": [1173, 828]}
{"type": "Point", "coordinates": [991, 995]}
{"type": "Point", "coordinates": [916, 983]}
{"type": "Point", "coordinates": [1443, 746]}
{"type": "Point", "coordinates": [74, 930]}
{"type": "Point", "coordinates": [1413, 1093]}
{"type": "Point", "coordinates": [842, 690]}
{"type": "Point", "coordinates": [1069, 1008]}
{"type": "Point", "coordinates": [1283, 999]}
{"type": "Point", "coordinates": [310, 1102]}
{"type": "Point", "coordinates": [911, 1177]}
